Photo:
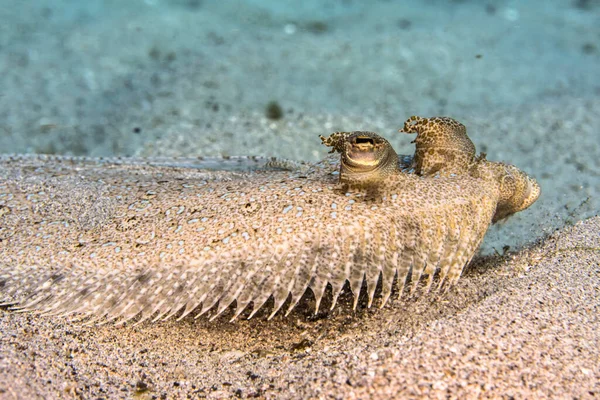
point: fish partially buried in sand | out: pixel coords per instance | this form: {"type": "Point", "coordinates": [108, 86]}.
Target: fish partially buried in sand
{"type": "Point", "coordinates": [122, 239]}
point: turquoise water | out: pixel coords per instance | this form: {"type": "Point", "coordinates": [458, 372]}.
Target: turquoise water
{"type": "Point", "coordinates": [201, 77]}
{"type": "Point", "coordinates": [77, 76]}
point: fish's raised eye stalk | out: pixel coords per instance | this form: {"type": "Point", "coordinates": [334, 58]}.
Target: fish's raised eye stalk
{"type": "Point", "coordinates": [441, 147]}
{"type": "Point", "coordinates": [366, 158]}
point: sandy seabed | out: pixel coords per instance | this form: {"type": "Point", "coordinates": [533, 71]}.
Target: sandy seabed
{"type": "Point", "coordinates": [518, 326]}
{"type": "Point", "coordinates": [185, 78]}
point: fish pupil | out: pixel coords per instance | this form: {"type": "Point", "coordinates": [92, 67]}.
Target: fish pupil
{"type": "Point", "coordinates": [365, 140]}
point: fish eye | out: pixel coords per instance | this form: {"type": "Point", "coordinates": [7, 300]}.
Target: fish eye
{"type": "Point", "coordinates": [364, 140]}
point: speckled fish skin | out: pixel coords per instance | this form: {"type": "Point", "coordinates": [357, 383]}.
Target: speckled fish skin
{"type": "Point", "coordinates": [119, 240]}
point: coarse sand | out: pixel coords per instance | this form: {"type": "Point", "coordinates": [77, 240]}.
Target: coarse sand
{"type": "Point", "coordinates": [523, 325]}
{"type": "Point", "coordinates": [193, 78]}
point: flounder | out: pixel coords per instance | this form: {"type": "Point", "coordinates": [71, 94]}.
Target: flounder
{"type": "Point", "coordinates": [125, 238]}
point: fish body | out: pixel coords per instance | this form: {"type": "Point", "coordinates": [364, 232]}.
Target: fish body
{"type": "Point", "coordinates": [120, 240]}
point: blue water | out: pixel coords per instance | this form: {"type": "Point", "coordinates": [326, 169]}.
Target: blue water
{"type": "Point", "coordinates": [103, 77]}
